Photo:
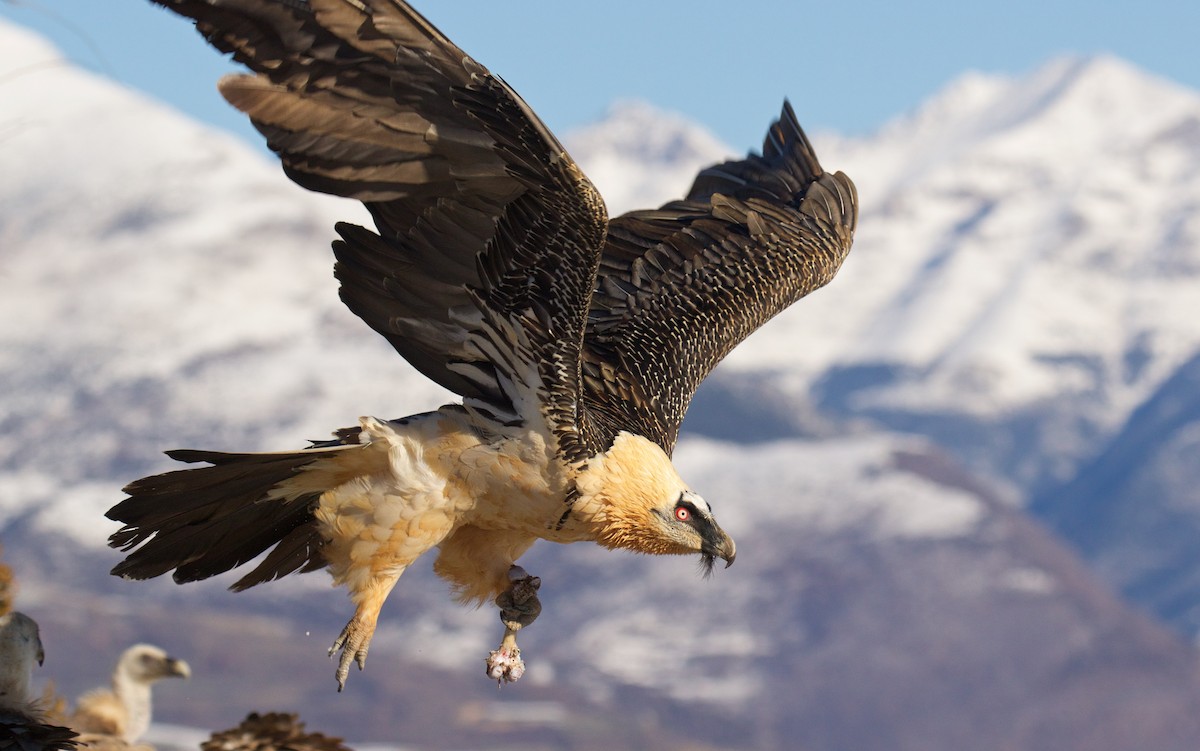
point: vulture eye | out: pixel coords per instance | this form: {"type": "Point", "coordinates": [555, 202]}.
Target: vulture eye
{"type": "Point", "coordinates": [683, 514]}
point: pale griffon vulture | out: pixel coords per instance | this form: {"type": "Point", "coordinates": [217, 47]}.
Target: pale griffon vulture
{"type": "Point", "coordinates": [124, 710]}
{"type": "Point", "coordinates": [23, 725]}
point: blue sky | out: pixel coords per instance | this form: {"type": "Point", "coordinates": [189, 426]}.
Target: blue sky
{"type": "Point", "coordinates": [847, 66]}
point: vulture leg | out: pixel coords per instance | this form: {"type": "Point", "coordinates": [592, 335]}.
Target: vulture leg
{"type": "Point", "coordinates": [356, 636]}
{"type": "Point", "coordinates": [519, 606]}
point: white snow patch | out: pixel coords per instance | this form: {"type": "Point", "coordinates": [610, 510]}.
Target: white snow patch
{"type": "Point", "coordinates": [828, 486]}
{"type": "Point", "coordinates": [640, 157]}
{"type": "Point", "coordinates": [651, 650]}
{"type": "Point", "coordinates": [75, 511]}
{"type": "Point", "coordinates": [1031, 581]}
{"type": "Point", "coordinates": [451, 638]}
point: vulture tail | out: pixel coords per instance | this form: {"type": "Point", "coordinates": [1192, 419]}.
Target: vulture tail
{"type": "Point", "coordinates": [205, 521]}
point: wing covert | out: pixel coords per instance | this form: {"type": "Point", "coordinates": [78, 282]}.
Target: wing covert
{"type": "Point", "coordinates": [488, 236]}
{"type": "Point", "coordinates": [681, 285]}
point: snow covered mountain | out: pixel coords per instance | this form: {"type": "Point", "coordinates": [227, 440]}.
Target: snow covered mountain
{"type": "Point", "coordinates": [1132, 509]}
{"type": "Point", "coordinates": [1018, 289]}
{"type": "Point", "coordinates": [1025, 271]}
{"type": "Point", "coordinates": [640, 157]}
{"type": "Point", "coordinates": [1023, 280]}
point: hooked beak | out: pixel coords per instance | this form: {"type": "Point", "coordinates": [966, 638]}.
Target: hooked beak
{"type": "Point", "coordinates": [728, 551]}
{"type": "Point", "coordinates": [722, 546]}
{"type": "Point", "coordinates": [178, 668]}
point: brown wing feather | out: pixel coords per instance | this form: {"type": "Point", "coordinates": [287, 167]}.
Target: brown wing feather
{"type": "Point", "coordinates": [488, 235]}
{"type": "Point", "coordinates": [27, 732]}
{"type": "Point", "coordinates": [203, 522]}
{"type": "Point", "coordinates": [274, 731]}
{"type": "Point", "coordinates": [681, 286]}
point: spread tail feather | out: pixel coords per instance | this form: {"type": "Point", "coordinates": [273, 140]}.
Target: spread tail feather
{"type": "Point", "coordinates": [205, 521]}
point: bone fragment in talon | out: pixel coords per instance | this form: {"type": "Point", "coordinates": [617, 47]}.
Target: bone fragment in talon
{"type": "Point", "coordinates": [504, 665]}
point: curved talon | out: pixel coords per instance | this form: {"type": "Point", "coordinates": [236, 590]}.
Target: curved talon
{"type": "Point", "coordinates": [353, 645]}
{"type": "Point", "coordinates": [519, 604]}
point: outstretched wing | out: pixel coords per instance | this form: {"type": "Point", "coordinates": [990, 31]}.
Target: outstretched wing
{"type": "Point", "coordinates": [681, 286]}
{"type": "Point", "coordinates": [488, 234]}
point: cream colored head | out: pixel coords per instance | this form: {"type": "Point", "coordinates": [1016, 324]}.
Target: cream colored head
{"type": "Point", "coordinates": [146, 663]}
{"type": "Point", "coordinates": [637, 501]}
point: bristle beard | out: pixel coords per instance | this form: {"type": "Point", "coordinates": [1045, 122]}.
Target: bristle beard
{"type": "Point", "coordinates": [707, 560]}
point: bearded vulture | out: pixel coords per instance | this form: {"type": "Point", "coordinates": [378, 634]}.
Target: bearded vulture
{"type": "Point", "coordinates": [575, 340]}
{"type": "Point", "coordinates": [274, 731]}
{"type": "Point", "coordinates": [23, 724]}
{"type": "Point", "coordinates": [124, 710]}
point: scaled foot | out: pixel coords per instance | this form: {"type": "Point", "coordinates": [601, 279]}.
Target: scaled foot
{"type": "Point", "coordinates": [353, 643]}
{"type": "Point", "coordinates": [519, 606]}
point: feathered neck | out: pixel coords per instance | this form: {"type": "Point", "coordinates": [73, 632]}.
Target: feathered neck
{"type": "Point", "coordinates": [20, 649]}
{"type": "Point", "coordinates": [134, 695]}
{"type": "Point", "coordinates": [619, 490]}
{"type": "Point", "coordinates": [15, 680]}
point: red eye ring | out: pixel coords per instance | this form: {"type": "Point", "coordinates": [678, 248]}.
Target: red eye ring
{"type": "Point", "coordinates": [683, 514]}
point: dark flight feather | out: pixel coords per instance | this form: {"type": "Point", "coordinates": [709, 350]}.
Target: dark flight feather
{"type": "Point", "coordinates": [483, 220]}
{"type": "Point", "coordinates": [209, 520]}
{"type": "Point", "coordinates": [682, 285]}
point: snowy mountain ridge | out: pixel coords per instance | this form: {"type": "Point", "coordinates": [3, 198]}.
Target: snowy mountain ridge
{"type": "Point", "coordinates": [1024, 245]}
{"type": "Point", "coordinates": [1011, 298]}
